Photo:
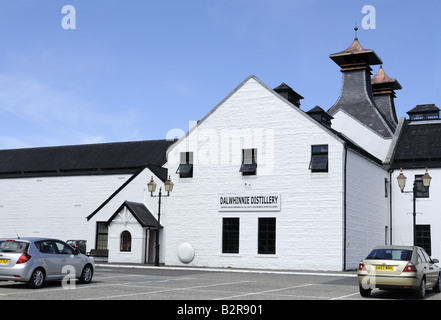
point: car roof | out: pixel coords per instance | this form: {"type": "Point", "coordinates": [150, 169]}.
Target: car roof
{"type": "Point", "coordinates": [29, 239]}
{"type": "Point", "coordinates": [395, 247]}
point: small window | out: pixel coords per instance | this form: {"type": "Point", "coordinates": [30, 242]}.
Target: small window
{"type": "Point", "coordinates": [230, 235]}
{"type": "Point", "coordinates": [185, 168]}
{"type": "Point", "coordinates": [267, 236]}
{"type": "Point", "coordinates": [319, 158]}
{"type": "Point", "coordinates": [126, 241]}
{"type": "Point", "coordinates": [249, 162]}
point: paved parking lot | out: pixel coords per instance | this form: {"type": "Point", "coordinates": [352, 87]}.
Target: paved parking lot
{"type": "Point", "coordinates": [149, 283]}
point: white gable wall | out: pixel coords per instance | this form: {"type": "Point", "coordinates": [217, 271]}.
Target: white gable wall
{"type": "Point", "coordinates": [309, 224]}
{"type": "Point", "coordinates": [125, 221]}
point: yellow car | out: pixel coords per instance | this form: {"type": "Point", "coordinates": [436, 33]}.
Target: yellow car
{"type": "Point", "coordinates": [398, 267]}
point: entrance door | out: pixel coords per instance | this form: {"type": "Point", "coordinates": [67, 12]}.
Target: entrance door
{"type": "Point", "coordinates": [152, 240]}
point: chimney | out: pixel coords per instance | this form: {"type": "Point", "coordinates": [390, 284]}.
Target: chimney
{"type": "Point", "coordinates": [289, 94]}
{"type": "Point", "coordinates": [383, 91]}
{"type": "Point", "coordinates": [356, 98]}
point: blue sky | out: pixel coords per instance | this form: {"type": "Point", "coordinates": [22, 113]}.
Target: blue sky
{"type": "Point", "coordinates": [135, 69]}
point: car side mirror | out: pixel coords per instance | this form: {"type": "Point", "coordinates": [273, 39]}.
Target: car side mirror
{"type": "Point", "coordinates": [435, 261]}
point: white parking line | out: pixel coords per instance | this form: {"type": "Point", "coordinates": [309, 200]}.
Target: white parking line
{"type": "Point", "coordinates": [345, 296]}
{"type": "Point", "coordinates": [263, 292]}
{"type": "Point", "coordinates": [163, 290]}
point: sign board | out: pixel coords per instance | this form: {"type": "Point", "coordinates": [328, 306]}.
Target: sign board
{"type": "Point", "coordinates": [253, 202]}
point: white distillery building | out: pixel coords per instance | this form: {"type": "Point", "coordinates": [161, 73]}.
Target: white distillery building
{"type": "Point", "coordinates": [258, 182]}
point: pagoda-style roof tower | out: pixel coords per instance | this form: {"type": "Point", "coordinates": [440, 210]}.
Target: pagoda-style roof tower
{"type": "Point", "coordinates": [355, 57]}
{"type": "Point", "coordinates": [356, 99]}
{"type": "Point", "coordinates": [383, 88]}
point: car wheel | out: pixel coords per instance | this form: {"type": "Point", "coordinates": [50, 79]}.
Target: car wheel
{"type": "Point", "coordinates": [364, 292]}
{"type": "Point", "coordinates": [421, 292]}
{"type": "Point", "coordinates": [436, 287]}
{"type": "Point", "coordinates": [87, 274]}
{"type": "Point", "coordinates": [37, 279]}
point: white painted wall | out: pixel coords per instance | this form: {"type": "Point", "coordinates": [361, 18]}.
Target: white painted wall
{"type": "Point", "coordinates": [428, 209]}
{"type": "Point", "coordinates": [53, 206]}
{"type": "Point", "coordinates": [361, 135]}
{"type": "Point", "coordinates": [135, 191]}
{"type": "Point", "coordinates": [309, 225]}
{"type": "Point", "coordinates": [367, 208]}
{"type": "Point", "coordinates": [125, 221]}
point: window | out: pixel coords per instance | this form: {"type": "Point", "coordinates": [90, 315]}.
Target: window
{"type": "Point", "coordinates": [230, 235]}
{"type": "Point", "coordinates": [101, 235]}
{"type": "Point", "coordinates": [319, 158]}
{"type": "Point", "coordinates": [423, 237]}
{"type": "Point", "coordinates": [63, 248]}
{"type": "Point", "coordinates": [249, 163]}
{"type": "Point", "coordinates": [45, 246]}
{"type": "Point", "coordinates": [421, 191]}
{"type": "Point", "coordinates": [267, 236]}
{"type": "Point", "coordinates": [185, 168]}
{"type": "Point", "coordinates": [125, 241]}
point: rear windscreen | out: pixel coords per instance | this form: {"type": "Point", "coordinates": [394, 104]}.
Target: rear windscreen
{"type": "Point", "coordinates": [13, 246]}
{"type": "Point", "coordinates": [390, 254]}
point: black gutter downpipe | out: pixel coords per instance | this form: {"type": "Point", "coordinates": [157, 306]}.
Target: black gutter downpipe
{"type": "Point", "coordinates": [344, 207]}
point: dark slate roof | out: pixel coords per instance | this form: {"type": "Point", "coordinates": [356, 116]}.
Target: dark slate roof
{"type": "Point", "coordinates": [421, 108]}
{"type": "Point", "coordinates": [89, 159]}
{"type": "Point", "coordinates": [418, 146]}
{"type": "Point", "coordinates": [140, 212]}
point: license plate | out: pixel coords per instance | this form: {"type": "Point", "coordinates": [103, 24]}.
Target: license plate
{"type": "Point", "coordinates": [388, 268]}
{"type": "Point", "coordinates": [4, 261]}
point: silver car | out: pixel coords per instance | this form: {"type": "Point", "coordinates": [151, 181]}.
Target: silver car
{"type": "Point", "coordinates": [36, 260]}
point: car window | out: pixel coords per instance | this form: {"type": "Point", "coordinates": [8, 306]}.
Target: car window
{"type": "Point", "coordinates": [390, 254]}
{"type": "Point", "coordinates": [13, 246]}
{"type": "Point", "coordinates": [45, 246]}
{"type": "Point", "coordinates": [421, 256]}
{"type": "Point", "coordinates": [426, 256]}
{"type": "Point", "coordinates": [63, 248]}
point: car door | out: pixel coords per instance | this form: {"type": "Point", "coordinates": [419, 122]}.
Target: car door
{"type": "Point", "coordinates": [69, 261]}
{"type": "Point", "coordinates": [431, 269]}
{"type": "Point", "coordinates": [49, 257]}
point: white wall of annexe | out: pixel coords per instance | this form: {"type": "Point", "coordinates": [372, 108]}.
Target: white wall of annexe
{"type": "Point", "coordinates": [427, 209]}
{"type": "Point", "coordinates": [310, 221]}
{"type": "Point", "coordinates": [135, 191]}
{"type": "Point", "coordinates": [53, 206]}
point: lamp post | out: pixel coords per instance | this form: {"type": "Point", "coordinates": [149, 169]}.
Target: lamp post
{"type": "Point", "coordinates": [152, 187]}
{"type": "Point", "coordinates": [401, 179]}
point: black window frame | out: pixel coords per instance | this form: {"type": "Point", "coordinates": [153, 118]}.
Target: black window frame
{"type": "Point", "coordinates": [102, 235]}
{"type": "Point", "coordinates": [185, 169]}
{"type": "Point", "coordinates": [230, 235]}
{"type": "Point", "coordinates": [319, 158]}
{"type": "Point", "coordinates": [249, 162]}
{"type": "Point", "coordinates": [423, 237]}
{"type": "Point", "coordinates": [266, 238]}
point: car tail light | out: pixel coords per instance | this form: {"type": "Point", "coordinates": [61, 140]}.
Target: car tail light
{"type": "Point", "coordinates": [410, 267]}
{"type": "Point", "coordinates": [361, 266]}
{"type": "Point", "coordinates": [23, 258]}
